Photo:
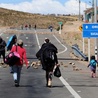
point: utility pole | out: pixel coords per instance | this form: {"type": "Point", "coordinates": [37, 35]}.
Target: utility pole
{"type": "Point", "coordinates": [95, 21]}
{"type": "Point", "coordinates": [95, 11]}
{"type": "Point", "coordinates": [79, 10]}
{"type": "Point", "coordinates": [92, 11]}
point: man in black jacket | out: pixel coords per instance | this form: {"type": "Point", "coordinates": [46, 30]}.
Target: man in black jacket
{"type": "Point", "coordinates": [47, 65]}
{"type": "Point", "coordinates": [2, 48]}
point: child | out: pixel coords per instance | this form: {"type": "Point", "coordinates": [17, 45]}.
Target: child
{"type": "Point", "coordinates": [92, 66]}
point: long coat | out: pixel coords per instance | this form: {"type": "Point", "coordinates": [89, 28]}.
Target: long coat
{"type": "Point", "coordinates": [40, 56]}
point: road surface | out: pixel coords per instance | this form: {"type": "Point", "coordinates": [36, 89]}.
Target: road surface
{"type": "Point", "coordinates": [74, 83]}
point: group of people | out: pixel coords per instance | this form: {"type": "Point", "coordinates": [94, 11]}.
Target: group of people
{"type": "Point", "coordinates": [15, 69]}
{"type": "Point", "coordinates": [47, 63]}
{"type": "Point", "coordinates": [47, 54]}
{"type": "Point", "coordinates": [29, 26]}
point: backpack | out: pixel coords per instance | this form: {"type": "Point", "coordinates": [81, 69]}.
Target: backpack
{"type": "Point", "coordinates": [49, 55]}
{"type": "Point", "coordinates": [93, 63]}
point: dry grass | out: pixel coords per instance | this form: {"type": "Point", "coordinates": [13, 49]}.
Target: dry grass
{"type": "Point", "coordinates": [70, 32]}
{"type": "Point", "coordinates": [15, 19]}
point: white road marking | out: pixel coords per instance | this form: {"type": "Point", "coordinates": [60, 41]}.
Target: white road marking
{"type": "Point", "coordinates": [70, 89]}
{"type": "Point", "coordinates": [61, 44]}
{"type": "Point", "coordinates": [38, 41]}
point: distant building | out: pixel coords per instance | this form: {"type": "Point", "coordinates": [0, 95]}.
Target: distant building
{"type": "Point", "coordinates": [89, 15]}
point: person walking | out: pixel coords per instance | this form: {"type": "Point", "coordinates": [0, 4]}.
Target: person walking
{"type": "Point", "coordinates": [18, 66]}
{"type": "Point", "coordinates": [22, 27]}
{"type": "Point", "coordinates": [2, 49]}
{"type": "Point", "coordinates": [92, 66]}
{"type": "Point", "coordinates": [48, 63]}
{"type": "Point", "coordinates": [26, 26]}
{"type": "Point", "coordinates": [35, 26]}
{"type": "Point", "coordinates": [30, 26]}
{"type": "Point", "coordinates": [51, 28]}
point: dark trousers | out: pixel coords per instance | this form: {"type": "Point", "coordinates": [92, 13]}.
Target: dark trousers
{"type": "Point", "coordinates": [2, 53]}
{"type": "Point", "coordinates": [49, 70]}
{"type": "Point", "coordinates": [48, 76]}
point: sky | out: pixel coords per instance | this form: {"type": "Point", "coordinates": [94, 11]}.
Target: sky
{"type": "Point", "coordinates": [47, 6]}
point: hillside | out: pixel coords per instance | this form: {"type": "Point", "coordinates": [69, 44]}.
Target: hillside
{"type": "Point", "coordinates": [15, 19]}
{"type": "Point", "coordinates": [70, 30]}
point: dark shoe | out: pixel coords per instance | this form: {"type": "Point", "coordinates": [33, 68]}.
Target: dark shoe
{"type": "Point", "coordinates": [16, 83]}
{"type": "Point", "coordinates": [11, 72]}
{"type": "Point", "coordinates": [47, 85]}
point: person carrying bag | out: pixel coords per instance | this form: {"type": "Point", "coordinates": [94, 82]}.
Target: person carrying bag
{"type": "Point", "coordinates": [17, 67]}
{"type": "Point", "coordinates": [48, 57]}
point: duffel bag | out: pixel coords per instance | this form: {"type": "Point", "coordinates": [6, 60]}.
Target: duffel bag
{"type": "Point", "coordinates": [12, 58]}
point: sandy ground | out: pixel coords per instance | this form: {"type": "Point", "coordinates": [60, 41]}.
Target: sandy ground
{"type": "Point", "coordinates": [71, 34]}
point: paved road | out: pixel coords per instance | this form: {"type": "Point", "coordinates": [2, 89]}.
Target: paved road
{"type": "Point", "coordinates": [72, 84]}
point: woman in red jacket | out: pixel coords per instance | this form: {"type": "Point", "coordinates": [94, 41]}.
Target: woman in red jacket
{"type": "Point", "coordinates": [18, 66]}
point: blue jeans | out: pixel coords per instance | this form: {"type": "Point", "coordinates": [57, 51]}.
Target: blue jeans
{"type": "Point", "coordinates": [11, 69]}
{"type": "Point", "coordinates": [17, 72]}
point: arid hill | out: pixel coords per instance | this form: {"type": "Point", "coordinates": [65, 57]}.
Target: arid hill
{"type": "Point", "coordinates": [16, 18]}
{"type": "Point", "coordinates": [70, 30]}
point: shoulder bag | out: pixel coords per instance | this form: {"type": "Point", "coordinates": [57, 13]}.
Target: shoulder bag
{"type": "Point", "coordinates": [12, 58]}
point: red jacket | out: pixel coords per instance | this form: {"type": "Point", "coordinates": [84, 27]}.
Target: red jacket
{"type": "Point", "coordinates": [22, 53]}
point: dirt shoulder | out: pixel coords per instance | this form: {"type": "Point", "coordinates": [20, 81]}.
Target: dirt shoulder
{"type": "Point", "coordinates": [71, 34]}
